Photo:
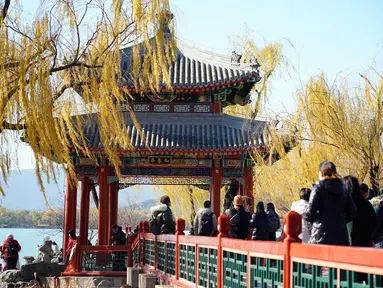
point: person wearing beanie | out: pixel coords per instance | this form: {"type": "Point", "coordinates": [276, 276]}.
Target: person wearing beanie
{"type": "Point", "coordinates": [239, 219]}
{"type": "Point", "coordinates": [260, 224]}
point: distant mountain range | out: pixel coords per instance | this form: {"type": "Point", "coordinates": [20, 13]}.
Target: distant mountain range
{"type": "Point", "coordinates": [148, 203]}
{"type": "Point", "coordinates": [23, 192]}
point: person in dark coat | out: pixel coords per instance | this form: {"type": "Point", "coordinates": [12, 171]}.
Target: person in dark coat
{"type": "Point", "coordinates": [239, 219]}
{"type": "Point", "coordinates": [260, 224]}
{"type": "Point", "coordinates": [274, 221]}
{"type": "Point", "coordinates": [330, 208]}
{"type": "Point", "coordinates": [118, 236]}
{"type": "Point", "coordinates": [365, 191]}
{"type": "Point", "coordinates": [364, 225]}
{"type": "Point", "coordinates": [378, 239]}
{"type": "Point", "coordinates": [164, 216]}
{"type": "Point", "coordinates": [118, 239]}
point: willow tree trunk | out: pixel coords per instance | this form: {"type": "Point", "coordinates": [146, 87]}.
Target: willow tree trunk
{"type": "Point", "coordinates": [193, 213]}
{"type": "Point", "coordinates": [374, 179]}
{"type": "Point", "coordinates": [94, 195]}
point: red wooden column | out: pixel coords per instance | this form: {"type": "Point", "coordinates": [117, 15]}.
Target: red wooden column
{"type": "Point", "coordinates": [217, 104]}
{"type": "Point", "coordinates": [292, 228]}
{"type": "Point", "coordinates": [103, 205]}
{"type": "Point", "coordinates": [224, 228]}
{"type": "Point", "coordinates": [113, 208]}
{"type": "Point", "coordinates": [248, 185]}
{"type": "Point", "coordinates": [215, 187]}
{"type": "Point", "coordinates": [69, 210]}
{"type": "Point", "coordinates": [84, 210]}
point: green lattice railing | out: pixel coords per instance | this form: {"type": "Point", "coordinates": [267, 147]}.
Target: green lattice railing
{"type": "Point", "coordinates": [305, 275]}
{"type": "Point", "coordinates": [103, 261]}
{"type": "Point", "coordinates": [207, 267]}
{"type": "Point", "coordinates": [183, 255]}
{"type": "Point", "coordinates": [171, 261]}
{"type": "Point", "coordinates": [191, 264]}
{"type": "Point", "coordinates": [230, 263]}
{"type": "Point", "coordinates": [265, 272]}
{"type": "Point", "coordinates": [161, 255]}
{"type": "Point", "coordinates": [234, 270]}
{"type": "Point", "coordinates": [135, 252]}
{"type": "Point", "coordinates": [187, 263]}
{"type": "Point", "coordinates": [149, 252]}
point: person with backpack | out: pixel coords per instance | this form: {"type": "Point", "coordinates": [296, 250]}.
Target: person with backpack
{"type": "Point", "coordinates": [274, 221]}
{"type": "Point", "coordinates": [260, 224]}
{"type": "Point", "coordinates": [162, 221]}
{"type": "Point", "coordinates": [205, 222]}
{"type": "Point", "coordinates": [10, 251]}
{"type": "Point", "coordinates": [239, 219]}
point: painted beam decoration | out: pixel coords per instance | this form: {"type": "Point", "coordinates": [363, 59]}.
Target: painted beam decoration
{"type": "Point", "coordinates": [165, 161]}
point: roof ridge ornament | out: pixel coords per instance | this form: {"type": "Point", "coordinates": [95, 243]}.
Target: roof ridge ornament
{"type": "Point", "coordinates": [235, 58]}
{"type": "Point", "coordinates": [253, 62]}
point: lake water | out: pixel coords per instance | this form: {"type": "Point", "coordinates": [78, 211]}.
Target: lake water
{"type": "Point", "coordinates": [29, 239]}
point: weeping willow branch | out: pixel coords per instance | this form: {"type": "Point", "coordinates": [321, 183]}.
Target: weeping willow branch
{"type": "Point", "coordinates": [65, 47]}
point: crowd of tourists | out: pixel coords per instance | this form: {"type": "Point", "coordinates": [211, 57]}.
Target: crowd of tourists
{"type": "Point", "coordinates": [337, 211]}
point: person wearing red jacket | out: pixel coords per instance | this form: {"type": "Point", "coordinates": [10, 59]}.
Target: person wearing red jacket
{"type": "Point", "coordinates": [71, 243]}
{"type": "Point", "coordinates": [10, 251]}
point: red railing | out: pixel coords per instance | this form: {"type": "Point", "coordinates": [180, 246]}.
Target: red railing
{"type": "Point", "coordinates": [101, 260]}
{"type": "Point", "coordinates": [194, 261]}
{"type": "Point", "coordinates": [221, 261]}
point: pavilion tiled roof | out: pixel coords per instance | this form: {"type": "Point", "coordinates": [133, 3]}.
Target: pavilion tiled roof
{"type": "Point", "coordinates": [184, 132]}
{"type": "Point", "coordinates": [198, 68]}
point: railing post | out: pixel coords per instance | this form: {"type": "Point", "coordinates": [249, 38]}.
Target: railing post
{"type": "Point", "coordinates": [155, 252]}
{"type": "Point", "coordinates": [130, 240]}
{"type": "Point", "coordinates": [146, 229]}
{"type": "Point", "coordinates": [224, 228]}
{"type": "Point", "coordinates": [77, 258]}
{"type": "Point", "coordinates": [180, 227]}
{"type": "Point", "coordinates": [139, 235]}
{"type": "Point", "coordinates": [292, 228]}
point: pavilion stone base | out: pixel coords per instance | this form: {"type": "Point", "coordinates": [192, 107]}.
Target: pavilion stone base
{"type": "Point", "coordinates": [87, 282]}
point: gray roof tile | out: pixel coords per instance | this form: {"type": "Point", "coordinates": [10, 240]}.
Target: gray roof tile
{"type": "Point", "coordinates": [184, 131]}
{"type": "Point", "coordinates": [195, 67]}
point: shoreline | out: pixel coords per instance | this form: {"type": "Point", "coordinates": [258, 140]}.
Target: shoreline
{"type": "Point", "coordinates": [41, 228]}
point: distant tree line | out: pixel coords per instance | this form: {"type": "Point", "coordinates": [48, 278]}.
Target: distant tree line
{"type": "Point", "coordinates": [54, 218]}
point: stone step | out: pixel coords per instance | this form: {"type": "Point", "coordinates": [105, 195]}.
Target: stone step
{"type": "Point", "coordinates": [132, 277]}
{"type": "Point", "coordinates": [88, 282]}
{"type": "Point", "coordinates": [147, 281]}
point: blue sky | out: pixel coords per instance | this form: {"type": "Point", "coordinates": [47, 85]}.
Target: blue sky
{"type": "Point", "coordinates": [328, 36]}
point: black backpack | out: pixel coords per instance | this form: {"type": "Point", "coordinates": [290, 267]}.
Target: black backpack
{"type": "Point", "coordinates": [154, 227]}
{"type": "Point", "coordinates": [205, 225]}
{"type": "Point", "coordinates": [12, 249]}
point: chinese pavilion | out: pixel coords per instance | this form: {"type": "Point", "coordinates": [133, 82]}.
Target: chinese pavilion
{"type": "Point", "coordinates": [188, 140]}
